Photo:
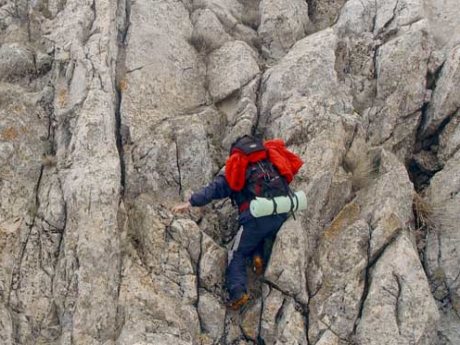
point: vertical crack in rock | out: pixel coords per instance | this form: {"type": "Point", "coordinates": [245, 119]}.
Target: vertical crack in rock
{"type": "Point", "coordinates": [198, 283]}
{"type": "Point", "coordinates": [178, 169]}
{"type": "Point", "coordinates": [431, 83]}
{"type": "Point", "coordinates": [255, 128]}
{"type": "Point", "coordinates": [374, 20]}
{"type": "Point", "coordinates": [398, 300]}
{"type": "Point", "coordinates": [371, 263]}
{"type": "Point", "coordinates": [120, 84]}
{"type": "Point", "coordinates": [121, 131]}
{"type": "Point", "coordinates": [367, 282]}
{"type": "Point", "coordinates": [388, 23]}
{"type": "Point", "coordinates": [419, 174]}
{"type": "Point", "coordinates": [259, 338]}
{"type": "Point", "coordinates": [34, 205]}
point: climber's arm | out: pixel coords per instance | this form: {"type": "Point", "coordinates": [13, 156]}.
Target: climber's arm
{"type": "Point", "coordinates": [217, 189]}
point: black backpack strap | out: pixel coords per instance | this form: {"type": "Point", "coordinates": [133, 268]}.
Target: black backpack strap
{"type": "Point", "coordinates": [275, 206]}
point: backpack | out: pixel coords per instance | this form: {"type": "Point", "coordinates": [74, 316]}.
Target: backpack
{"type": "Point", "coordinates": [262, 179]}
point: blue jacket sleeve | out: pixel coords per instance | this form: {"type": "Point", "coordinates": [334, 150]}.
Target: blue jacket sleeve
{"type": "Point", "coordinates": [217, 189]}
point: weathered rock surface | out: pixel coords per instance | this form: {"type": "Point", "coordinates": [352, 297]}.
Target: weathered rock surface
{"type": "Point", "coordinates": [443, 251]}
{"type": "Point", "coordinates": [113, 111]}
{"type": "Point", "coordinates": [282, 23]}
{"type": "Point", "coordinates": [399, 305]}
{"type": "Point", "coordinates": [230, 68]}
{"type": "Point", "coordinates": [446, 97]}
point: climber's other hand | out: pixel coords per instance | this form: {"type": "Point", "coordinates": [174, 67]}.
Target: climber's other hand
{"type": "Point", "coordinates": [181, 208]}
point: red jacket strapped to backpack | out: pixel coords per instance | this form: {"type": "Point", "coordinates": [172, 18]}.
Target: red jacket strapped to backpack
{"type": "Point", "coordinates": [287, 163]}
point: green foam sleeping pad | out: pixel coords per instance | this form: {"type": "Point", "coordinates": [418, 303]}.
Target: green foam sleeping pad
{"type": "Point", "coordinates": [260, 207]}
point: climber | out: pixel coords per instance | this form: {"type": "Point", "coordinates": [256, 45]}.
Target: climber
{"type": "Point", "coordinates": [254, 168]}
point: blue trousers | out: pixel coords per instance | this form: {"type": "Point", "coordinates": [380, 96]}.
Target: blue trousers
{"type": "Point", "coordinates": [249, 239]}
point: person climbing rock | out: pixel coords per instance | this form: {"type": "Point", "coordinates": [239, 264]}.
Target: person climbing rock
{"type": "Point", "coordinates": [253, 169]}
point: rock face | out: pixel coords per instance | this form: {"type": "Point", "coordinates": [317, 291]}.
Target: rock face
{"type": "Point", "coordinates": [111, 112]}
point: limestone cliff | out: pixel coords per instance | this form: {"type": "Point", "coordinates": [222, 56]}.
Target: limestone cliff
{"type": "Point", "coordinates": [113, 111]}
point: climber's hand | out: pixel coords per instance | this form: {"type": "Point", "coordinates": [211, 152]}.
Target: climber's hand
{"type": "Point", "coordinates": [181, 208]}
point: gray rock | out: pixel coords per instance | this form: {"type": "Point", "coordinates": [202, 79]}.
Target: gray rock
{"type": "Point", "coordinates": [335, 305]}
{"type": "Point", "coordinates": [273, 302]}
{"type": "Point", "coordinates": [328, 338]}
{"type": "Point", "coordinates": [323, 13]}
{"type": "Point", "coordinates": [241, 112]}
{"type": "Point", "coordinates": [295, 88]}
{"type": "Point", "coordinates": [149, 317]}
{"type": "Point", "coordinates": [212, 315]}
{"type": "Point", "coordinates": [399, 307]}
{"type": "Point", "coordinates": [208, 32]}
{"type": "Point", "coordinates": [250, 321]}
{"type": "Point", "coordinates": [393, 15]}
{"type": "Point", "coordinates": [397, 99]}
{"type": "Point", "coordinates": [140, 103]}
{"type": "Point", "coordinates": [21, 149]}
{"type": "Point", "coordinates": [164, 74]}
{"type": "Point", "coordinates": [229, 12]}
{"type": "Point", "coordinates": [442, 247]}
{"type": "Point", "coordinates": [286, 268]}
{"type": "Point", "coordinates": [282, 23]}
{"type": "Point", "coordinates": [230, 68]}
{"type": "Point", "coordinates": [444, 23]}
{"type": "Point", "coordinates": [291, 325]}
{"type": "Point", "coordinates": [6, 331]}
{"type": "Point", "coordinates": [212, 264]}
{"type": "Point", "coordinates": [357, 17]}
{"type": "Point", "coordinates": [445, 100]}
{"type": "Point", "coordinates": [449, 141]}
{"type": "Point", "coordinates": [16, 61]}
{"type": "Point", "coordinates": [386, 204]}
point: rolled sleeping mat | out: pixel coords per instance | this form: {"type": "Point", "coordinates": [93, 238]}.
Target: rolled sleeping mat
{"type": "Point", "coordinates": [260, 207]}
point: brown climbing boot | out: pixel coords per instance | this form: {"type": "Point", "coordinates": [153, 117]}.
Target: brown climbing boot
{"type": "Point", "coordinates": [258, 265]}
{"type": "Point", "coordinates": [239, 302]}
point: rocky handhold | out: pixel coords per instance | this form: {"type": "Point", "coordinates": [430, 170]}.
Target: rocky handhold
{"type": "Point", "coordinates": [282, 23]}
{"type": "Point", "coordinates": [399, 307]}
{"type": "Point", "coordinates": [230, 68]}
